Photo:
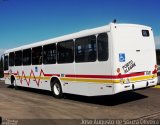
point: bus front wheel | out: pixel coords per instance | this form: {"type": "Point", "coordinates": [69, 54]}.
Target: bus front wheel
{"type": "Point", "coordinates": [13, 83]}
{"type": "Point", "coordinates": [56, 89]}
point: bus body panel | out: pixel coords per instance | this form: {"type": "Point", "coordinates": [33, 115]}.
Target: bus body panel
{"type": "Point", "coordinates": [138, 57]}
{"type": "Point", "coordinates": [131, 64]}
{"type": "Point", "coordinates": [60, 71]}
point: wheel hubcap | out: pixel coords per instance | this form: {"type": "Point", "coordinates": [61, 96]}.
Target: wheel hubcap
{"type": "Point", "coordinates": [14, 83]}
{"type": "Point", "coordinates": [56, 89]}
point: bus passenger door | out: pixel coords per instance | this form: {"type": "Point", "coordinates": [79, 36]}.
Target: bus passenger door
{"type": "Point", "coordinates": [6, 69]}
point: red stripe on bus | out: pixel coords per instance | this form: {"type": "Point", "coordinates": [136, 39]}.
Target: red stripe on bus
{"type": "Point", "coordinates": [52, 75]}
{"type": "Point", "coordinates": [94, 76]}
{"type": "Point", "coordinates": [106, 76]}
{"type": "Point", "coordinates": [15, 73]}
{"type": "Point", "coordinates": [131, 74]}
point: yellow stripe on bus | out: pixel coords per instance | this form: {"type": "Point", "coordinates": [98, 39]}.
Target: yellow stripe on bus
{"type": "Point", "coordinates": [32, 77]}
{"type": "Point", "coordinates": [157, 87]}
{"type": "Point", "coordinates": [91, 80]}
{"type": "Point", "coordinates": [141, 78]}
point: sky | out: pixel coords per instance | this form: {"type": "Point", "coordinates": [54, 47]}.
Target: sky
{"type": "Point", "coordinates": [28, 21]}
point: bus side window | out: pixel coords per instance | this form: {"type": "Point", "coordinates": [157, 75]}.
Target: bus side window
{"type": "Point", "coordinates": [37, 56]}
{"type": "Point", "coordinates": [85, 49]}
{"type": "Point", "coordinates": [27, 57]}
{"type": "Point", "coordinates": [65, 52]}
{"type": "Point", "coordinates": [102, 40]}
{"type": "Point", "coordinates": [11, 59]}
{"type": "Point", "coordinates": [5, 63]}
{"type": "Point", "coordinates": [18, 58]}
{"type": "Point", "coordinates": [49, 54]}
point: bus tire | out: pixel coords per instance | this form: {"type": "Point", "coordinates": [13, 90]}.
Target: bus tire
{"type": "Point", "coordinates": [13, 83]}
{"type": "Point", "coordinates": [56, 89]}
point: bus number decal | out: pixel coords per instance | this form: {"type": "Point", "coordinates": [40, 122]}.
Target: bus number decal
{"type": "Point", "coordinates": [128, 66]}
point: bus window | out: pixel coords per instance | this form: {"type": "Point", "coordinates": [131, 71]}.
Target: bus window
{"type": "Point", "coordinates": [158, 56]}
{"type": "Point", "coordinates": [5, 63]}
{"type": "Point", "coordinates": [49, 54]}
{"type": "Point", "coordinates": [18, 58]}
{"type": "Point", "coordinates": [65, 52]}
{"type": "Point", "coordinates": [11, 59]}
{"type": "Point", "coordinates": [27, 57]}
{"type": "Point", "coordinates": [85, 49]}
{"type": "Point", "coordinates": [145, 33]}
{"type": "Point", "coordinates": [102, 40]}
{"type": "Point", "coordinates": [37, 56]}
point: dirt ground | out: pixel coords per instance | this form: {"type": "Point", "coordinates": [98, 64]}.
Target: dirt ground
{"type": "Point", "coordinates": [37, 106]}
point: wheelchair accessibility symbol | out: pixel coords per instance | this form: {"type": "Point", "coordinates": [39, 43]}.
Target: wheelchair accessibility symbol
{"type": "Point", "coordinates": [122, 57]}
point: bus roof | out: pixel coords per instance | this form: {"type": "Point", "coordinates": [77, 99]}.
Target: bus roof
{"type": "Point", "coordinates": [79, 34]}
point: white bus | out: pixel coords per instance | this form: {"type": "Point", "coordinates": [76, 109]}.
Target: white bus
{"type": "Point", "coordinates": [100, 61]}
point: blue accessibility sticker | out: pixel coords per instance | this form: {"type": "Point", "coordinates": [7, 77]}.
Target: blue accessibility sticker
{"type": "Point", "coordinates": [36, 69]}
{"type": "Point", "coordinates": [122, 57]}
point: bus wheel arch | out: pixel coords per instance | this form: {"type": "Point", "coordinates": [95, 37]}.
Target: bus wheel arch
{"type": "Point", "coordinates": [56, 87]}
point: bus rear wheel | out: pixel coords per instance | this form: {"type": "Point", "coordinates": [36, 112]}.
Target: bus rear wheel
{"type": "Point", "coordinates": [56, 89]}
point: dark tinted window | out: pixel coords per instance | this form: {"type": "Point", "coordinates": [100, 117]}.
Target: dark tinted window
{"type": "Point", "coordinates": [145, 33]}
{"type": "Point", "coordinates": [5, 62]}
{"type": "Point", "coordinates": [102, 40]}
{"type": "Point", "coordinates": [18, 58]}
{"type": "Point", "coordinates": [65, 52]}
{"type": "Point", "coordinates": [49, 54]}
{"type": "Point", "coordinates": [85, 49]}
{"type": "Point", "coordinates": [11, 59]}
{"type": "Point", "coordinates": [27, 57]}
{"type": "Point", "coordinates": [37, 56]}
{"type": "Point", "coordinates": [158, 56]}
